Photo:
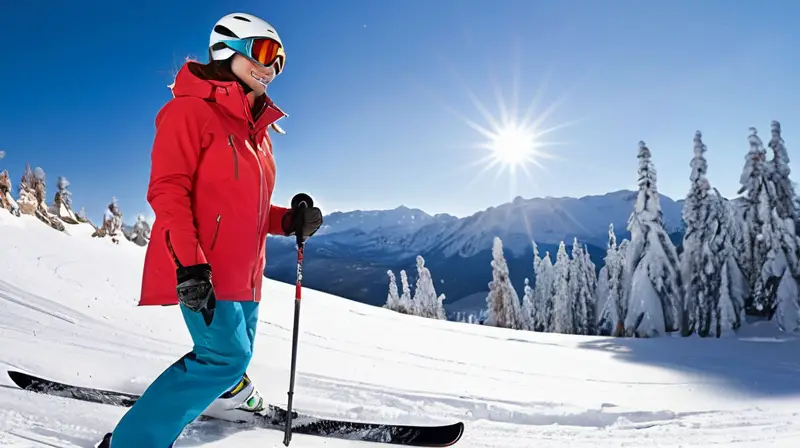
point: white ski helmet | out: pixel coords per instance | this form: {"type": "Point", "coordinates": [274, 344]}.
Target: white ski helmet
{"type": "Point", "coordinates": [237, 25]}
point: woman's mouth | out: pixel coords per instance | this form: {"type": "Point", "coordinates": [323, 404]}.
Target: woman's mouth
{"type": "Point", "coordinates": [262, 80]}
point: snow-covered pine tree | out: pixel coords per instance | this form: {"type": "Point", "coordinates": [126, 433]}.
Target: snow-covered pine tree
{"type": "Point", "coordinates": [6, 198]}
{"type": "Point", "coordinates": [528, 309]}
{"type": "Point", "coordinates": [623, 253]}
{"type": "Point", "coordinates": [502, 302]}
{"type": "Point", "coordinates": [393, 298]}
{"type": "Point", "coordinates": [27, 192]}
{"type": "Point", "coordinates": [140, 233]}
{"type": "Point", "coordinates": [655, 294]}
{"type": "Point", "coordinates": [611, 315]}
{"type": "Point", "coordinates": [112, 220]}
{"type": "Point", "coordinates": [64, 193]}
{"type": "Point", "coordinates": [601, 297]}
{"type": "Point", "coordinates": [81, 215]}
{"type": "Point", "coordinates": [753, 249]}
{"type": "Point", "coordinates": [528, 300]}
{"type": "Point", "coordinates": [724, 319]}
{"type": "Point", "coordinates": [563, 320]}
{"type": "Point", "coordinates": [703, 248]}
{"type": "Point", "coordinates": [776, 289]}
{"type": "Point", "coordinates": [425, 298]}
{"type": "Point", "coordinates": [405, 305]}
{"type": "Point", "coordinates": [785, 195]}
{"type": "Point", "coordinates": [737, 286]}
{"type": "Point", "coordinates": [590, 271]}
{"type": "Point", "coordinates": [579, 290]}
{"type": "Point", "coordinates": [543, 295]}
{"type": "Point", "coordinates": [40, 187]}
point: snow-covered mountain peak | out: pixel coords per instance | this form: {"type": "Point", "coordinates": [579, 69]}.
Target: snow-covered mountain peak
{"type": "Point", "coordinates": [400, 220]}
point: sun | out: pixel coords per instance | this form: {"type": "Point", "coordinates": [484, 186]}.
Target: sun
{"type": "Point", "coordinates": [512, 145]}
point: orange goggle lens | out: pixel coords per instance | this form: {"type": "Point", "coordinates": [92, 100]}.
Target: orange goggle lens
{"type": "Point", "coordinates": [267, 52]}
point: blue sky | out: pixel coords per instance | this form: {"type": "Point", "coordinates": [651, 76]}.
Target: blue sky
{"type": "Point", "coordinates": [370, 86]}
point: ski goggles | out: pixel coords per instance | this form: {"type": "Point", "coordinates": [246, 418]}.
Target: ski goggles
{"type": "Point", "coordinates": [263, 50]}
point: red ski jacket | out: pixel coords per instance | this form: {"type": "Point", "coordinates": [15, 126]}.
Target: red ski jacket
{"type": "Point", "coordinates": [211, 182]}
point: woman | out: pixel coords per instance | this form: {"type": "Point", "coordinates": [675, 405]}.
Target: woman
{"type": "Point", "coordinates": [211, 184]}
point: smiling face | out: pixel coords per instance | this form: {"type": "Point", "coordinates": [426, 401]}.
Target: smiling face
{"type": "Point", "coordinates": [248, 72]}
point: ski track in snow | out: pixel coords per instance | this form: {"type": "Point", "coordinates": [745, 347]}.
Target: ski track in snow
{"type": "Point", "coordinates": [67, 312]}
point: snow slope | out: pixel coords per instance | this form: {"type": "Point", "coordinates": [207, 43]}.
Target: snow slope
{"type": "Point", "coordinates": [67, 311]}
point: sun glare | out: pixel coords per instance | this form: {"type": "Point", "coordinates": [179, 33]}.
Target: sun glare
{"type": "Point", "coordinates": [512, 145]}
{"type": "Point", "coordinates": [513, 140]}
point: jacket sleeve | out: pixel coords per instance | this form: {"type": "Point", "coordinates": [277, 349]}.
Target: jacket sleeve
{"type": "Point", "coordinates": [275, 217]}
{"type": "Point", "coordinates": [180, 130]}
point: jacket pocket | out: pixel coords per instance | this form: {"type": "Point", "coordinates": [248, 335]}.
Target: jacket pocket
{"type": "Point", "coordinates": [216, 233]}
{"type": "Point", "coordinates": [235, 157]}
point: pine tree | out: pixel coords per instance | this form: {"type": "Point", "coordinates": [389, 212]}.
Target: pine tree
{"type": "Point", "coordinates": [785, 195]}
{"type": "Point", "coordinates": [425, 299]}
{"type": "Point", "coordinates": [590, 271]}
{"type": "Point", "coordinates": [502, 302]}
{"type": "Point", "coordinates": [28, 181]}
{"type": "Point", "coordinates": [81, 215]}
{"type": "Point", "coordinates": [610, 321]}
{"type": "Point", "coordinates": [655, 293]}
{"type": "Point", "coordinates": [563, 320]}
{"type": "Point", "coordinates": [776, 289]}
{"type": "Point", "coordinates": [705, 260]}
{"type": "Point", "coordinates": [773, 265]}
{"type": "Point", "coordinates": [528, 300]}
{"type": "Point", "coordinates": [528, 309]}
{"type": "Point", "coordinates": [393, 299]}
{"type": "Point", "coordinates": [543, 295]}
{"type": "Point", "coordinates": [724, 319]}
{"type": "Point", "coordinates": [703, 249]}
{"type": "Point", "coordinates": [579, 290]}
{"type": "Point", "coordinates": [623, 255]}
{"type": "Point", "coordinates": [736, 287]}
{"type": "Point", "coordinates": [405, 305]}
{"type": "Point", "coordinates": [754, 250]}
{"type": "Point", "coordinates": [601, 298]}
{"type": "Point", "coordinates": [64, 193]}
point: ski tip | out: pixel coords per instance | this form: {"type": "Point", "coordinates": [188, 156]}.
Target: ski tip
{"type": "Point", "coordinates": [459, 426]}
{"type": "Point", "coordinates": [17, 377]}
{"type": "Point", "coordinates": [21, 379]}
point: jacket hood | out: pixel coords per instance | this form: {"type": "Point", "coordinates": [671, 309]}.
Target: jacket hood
{"type": "Point", "coordinates": [229, 94]}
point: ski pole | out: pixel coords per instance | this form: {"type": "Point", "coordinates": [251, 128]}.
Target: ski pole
{"type": "Point", "coordinates": [299, 203]}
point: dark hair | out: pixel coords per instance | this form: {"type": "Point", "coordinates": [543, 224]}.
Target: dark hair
{"type": "Point", "coordinates": [214, 70]}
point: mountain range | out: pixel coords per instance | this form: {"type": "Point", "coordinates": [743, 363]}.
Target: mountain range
{"type": "Point", "coordinates": [351, 253]}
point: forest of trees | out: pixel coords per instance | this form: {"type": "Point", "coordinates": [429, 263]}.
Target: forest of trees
{"type": "Point", "coordinates": [31, 199]}
{"type": "Point", "coordinates": [739, 257]}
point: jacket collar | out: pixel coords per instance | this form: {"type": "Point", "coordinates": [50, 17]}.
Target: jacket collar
{"type": "Point", "coordinates": [228, 94]}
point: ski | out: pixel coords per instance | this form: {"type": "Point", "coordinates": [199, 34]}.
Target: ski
{"type": "Point", "coordinates": [273, 418]}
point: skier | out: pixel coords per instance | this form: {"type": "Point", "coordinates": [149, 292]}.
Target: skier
{"type": "Point", "coordinates": [211, 183]}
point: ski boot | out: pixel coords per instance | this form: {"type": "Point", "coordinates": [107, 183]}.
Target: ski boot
{"type": "Point", "coordinates": [237, 404]}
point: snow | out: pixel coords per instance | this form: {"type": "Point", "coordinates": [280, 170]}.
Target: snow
{"type": "Point", "coordinates": [67, 312]}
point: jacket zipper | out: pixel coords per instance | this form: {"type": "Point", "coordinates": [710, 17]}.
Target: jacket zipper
{"type": "Point", "coordinates": [260, 203]}
{"type": "Point", "coordinates": [216, 232]}
{"type": "Point", "coordinates": [235, 157]}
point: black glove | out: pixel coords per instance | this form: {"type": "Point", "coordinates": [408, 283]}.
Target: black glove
{"type": "Point", "coordinates": [303, 218]}
{"type": "Point", "coordinates": [195, 290]}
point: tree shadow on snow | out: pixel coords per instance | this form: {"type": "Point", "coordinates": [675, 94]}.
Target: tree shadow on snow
{"type": "Point", "coordinates": [752, 364]}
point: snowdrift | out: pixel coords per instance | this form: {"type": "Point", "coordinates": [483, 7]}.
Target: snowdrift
{"type": "Point", "coordinates": [68, 312]}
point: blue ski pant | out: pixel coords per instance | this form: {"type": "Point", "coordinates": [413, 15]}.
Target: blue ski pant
{"type": "Point", "coordinates": [219, 358]}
